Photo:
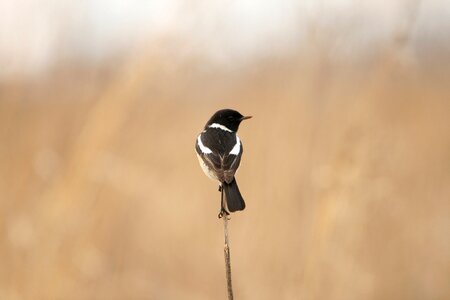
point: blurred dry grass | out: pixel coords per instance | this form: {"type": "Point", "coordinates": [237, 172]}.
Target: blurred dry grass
{"type": "Point", "coordinates": [346, 175]}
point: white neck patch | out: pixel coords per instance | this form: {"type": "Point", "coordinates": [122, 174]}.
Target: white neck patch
{"type": "Point", "coordinates": [216, 125]}
{"type": "Point", "coordinates": [237, 148]}
{"type": "Point", "coordinates": [202, 147]}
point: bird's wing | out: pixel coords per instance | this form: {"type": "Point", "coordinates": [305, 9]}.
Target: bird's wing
{"type": "Point", "coordinates": [216, 150]}
{"type": "Point", "coordinates": [212, 160]}
{"type": "Point", "coordinates": [224, 166]}
{"type": "Point", "coordinates": [230, 164]}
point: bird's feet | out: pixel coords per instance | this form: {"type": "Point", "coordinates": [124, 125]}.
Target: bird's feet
{"type": "Point", "coordinates": [223, 213]}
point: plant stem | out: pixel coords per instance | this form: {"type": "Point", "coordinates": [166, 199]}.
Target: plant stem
{"type": "Point", "coordinates": [226, 252]}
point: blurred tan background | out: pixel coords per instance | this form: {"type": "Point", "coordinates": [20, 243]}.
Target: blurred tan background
{"type": "Point", "coordinates": [346, 167]}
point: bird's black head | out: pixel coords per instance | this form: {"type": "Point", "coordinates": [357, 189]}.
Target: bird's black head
{"type": "Point", "coordinates": [228, 118]}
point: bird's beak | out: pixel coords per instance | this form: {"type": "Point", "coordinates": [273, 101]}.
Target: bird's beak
{"type": "Point", "coordinates": [245, 118]}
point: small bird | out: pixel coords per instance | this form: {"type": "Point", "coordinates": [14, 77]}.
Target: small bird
{"type": "Point", "coordinates": [219, 152]}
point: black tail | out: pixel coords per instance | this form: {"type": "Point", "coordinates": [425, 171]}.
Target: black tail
{"type": "Point", "coordinates": [233, 197]}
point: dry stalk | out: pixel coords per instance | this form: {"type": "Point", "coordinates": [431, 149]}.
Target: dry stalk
{"type": "Point", "coordinates": [226, 252]}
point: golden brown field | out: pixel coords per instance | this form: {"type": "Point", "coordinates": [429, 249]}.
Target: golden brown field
{"type": "Point", "coordinates": [346, 174]}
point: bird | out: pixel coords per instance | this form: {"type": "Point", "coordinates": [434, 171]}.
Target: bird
{"type": "Point", "coordinates": [219, 151]}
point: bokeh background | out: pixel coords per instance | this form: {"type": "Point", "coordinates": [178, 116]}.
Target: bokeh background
{"type": "Point", "coordinates": [346, 167]}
